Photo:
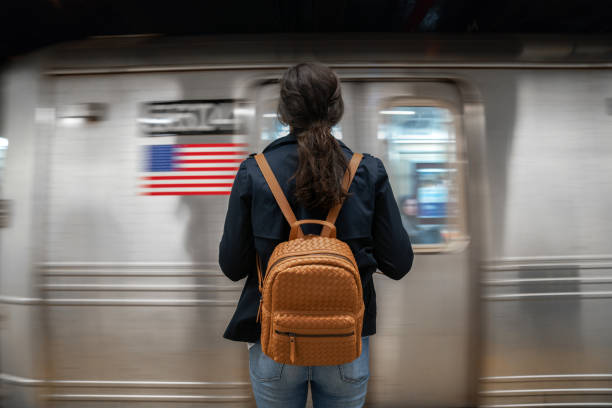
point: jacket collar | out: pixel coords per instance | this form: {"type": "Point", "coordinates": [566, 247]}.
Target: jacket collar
{"type": "Point", "coordinates": [292, 138]}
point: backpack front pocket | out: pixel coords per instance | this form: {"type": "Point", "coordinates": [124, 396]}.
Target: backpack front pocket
{"type": "Point", "coordinates": [313, 339]}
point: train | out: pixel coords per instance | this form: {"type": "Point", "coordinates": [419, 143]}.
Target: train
{"type": "Point", "coordinates": [498, 150]}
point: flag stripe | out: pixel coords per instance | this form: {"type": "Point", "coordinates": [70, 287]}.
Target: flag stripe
{"type": "Point", "coordinates": [192, 181]}
{"type": "Point", "coordinates": [186, 185]}
{"type": "Point", "coordinates": [185, 152]}
{"type": "Point", "coordinates": [169, 193]}
{"type": "Point", "coordinates": [187, 172]}
{"type": "Point", "coordinates": [209, 161]}
{"type": "Point", "coordinates": [220, 150]}
{"type": "Point", "coordinates": [206, 168]}
{"type": "Point", "coordinates": [231, 177]}
{"type": "Point", "coordinates": [172, 189]}
{"type": "Point", "coordinates": [212, 145]}
{"type": "Point", "coordinates": [221, 156]}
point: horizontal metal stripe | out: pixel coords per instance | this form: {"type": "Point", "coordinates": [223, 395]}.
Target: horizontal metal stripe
{"type": "Point", "coordinates": [547, 391]}
{"type": "Point", "coordinates": [547, 377]}
{"type": "Point", "coordinates": [249, 67]}
{"type": "Point", "coordinates": [133, 273]}
{"type": "Point", "coordinates": [545, 295]}
{"type": "Point", "coordinates": [16, 380]}
{"type": "Point", "coordinates": [23, 381]}
{"type": "Point", "coordinates": [546, 266]}
{"type": "Point", "coordinates": [126, 265]}
{"type": "Point", "coordinates": [138, 288]}
{"type": "Point", "coordinates": [549, 258]}
{"type": "Point", "coordinates": [549, 404]}
{"type": "Point", "coordinates": [510, 282]}
{"type": "Point", "coordinates": [114, 302]}
{"type": "Point", "coordinates": [548, 262]}
{"type": "Point", "coordinates": [132, 269]}
{"type": "Point", "coordinates": [145, 397]}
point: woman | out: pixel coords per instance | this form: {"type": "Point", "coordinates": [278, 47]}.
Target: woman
{"type": "Point", "coordinates": [309, 164]}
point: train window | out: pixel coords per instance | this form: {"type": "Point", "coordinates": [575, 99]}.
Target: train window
{"type": "Point", "coordinates": [421, 149]}
{"type": "Point", "coordinates": [3, 147]}
{"type": "Point", "coordinates": [271, 128]}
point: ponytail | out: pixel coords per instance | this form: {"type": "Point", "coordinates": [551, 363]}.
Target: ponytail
{"type": "Point", "coordinates": [311, 103]}
{"type": "Point", "coordinates": [318, 179]}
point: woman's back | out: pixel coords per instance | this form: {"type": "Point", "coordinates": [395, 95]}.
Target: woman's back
{"type": "Point", "coordinates": [369, 222]}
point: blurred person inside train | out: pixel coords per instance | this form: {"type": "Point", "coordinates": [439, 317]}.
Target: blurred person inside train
{"type": "Point", "coordinates": [418, 234]}
{"type": "Point", "coordinates": [309, 164]}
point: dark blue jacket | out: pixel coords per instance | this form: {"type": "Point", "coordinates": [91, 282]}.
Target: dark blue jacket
{"type": "Point", "coordinates": [369, 222]}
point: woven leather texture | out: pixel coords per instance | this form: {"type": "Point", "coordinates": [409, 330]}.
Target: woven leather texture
{"type": "Point", "coordinates": [312, 309]}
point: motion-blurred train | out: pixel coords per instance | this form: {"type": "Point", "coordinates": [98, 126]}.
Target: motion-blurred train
{"type": "Point", "coordinates": [117, 155]}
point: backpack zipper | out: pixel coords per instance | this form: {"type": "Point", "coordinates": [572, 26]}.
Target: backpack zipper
{"type": "Point", "coordinates": [292, 337]}
{"type": "Point", "coordinates": [291, 334]}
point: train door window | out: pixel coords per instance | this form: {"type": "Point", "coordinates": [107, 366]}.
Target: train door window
{"type": "Point", "coordinates": [421, 149]}
{"type": "Point", "coordinates": [269, 126]}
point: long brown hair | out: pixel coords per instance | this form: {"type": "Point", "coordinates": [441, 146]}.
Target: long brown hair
{"type": "Point", "coordinates": [311, 103]}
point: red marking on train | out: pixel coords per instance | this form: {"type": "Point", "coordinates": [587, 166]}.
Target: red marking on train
{"type": "Point", "coordinates": [213, 145]}
{"type": "Point", "coordinates": [166, 193]}
{"type": "Point", "coordinates": [210, 161]}
{"type": "Point", "coordinates": [207, 169]}
{"type": "Point", "coordinates": [183, 185]}
{"type": "Point", "coordinates": [232, 176]}
{"type": "Point", "coordinates": [211, 153]}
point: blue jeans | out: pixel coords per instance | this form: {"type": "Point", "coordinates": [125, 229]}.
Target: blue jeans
{"type": "Point", "coordinates": [278, 385]}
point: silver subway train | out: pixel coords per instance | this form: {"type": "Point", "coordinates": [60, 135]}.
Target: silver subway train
{"type": "Point", "coordinates": [117, 155]}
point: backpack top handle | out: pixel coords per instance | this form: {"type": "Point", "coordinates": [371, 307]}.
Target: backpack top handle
{"type": "Point", "coordinates": [330, 233]}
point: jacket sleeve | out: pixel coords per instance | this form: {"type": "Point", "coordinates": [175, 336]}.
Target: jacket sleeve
{"type": "Point", "coordinates": [237, 248]}
{"type": "Point", "coordinates": [392, 248]}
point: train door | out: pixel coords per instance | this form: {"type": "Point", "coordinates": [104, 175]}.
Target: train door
{"type": "Point", "coordinates": [422, 354]}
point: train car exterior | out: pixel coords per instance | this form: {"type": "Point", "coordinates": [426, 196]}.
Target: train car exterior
{"type": "Point", "coordinates": [111, 295]}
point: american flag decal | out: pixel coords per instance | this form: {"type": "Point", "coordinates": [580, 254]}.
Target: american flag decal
{"type": "Point", "coordinates": [191, 169]}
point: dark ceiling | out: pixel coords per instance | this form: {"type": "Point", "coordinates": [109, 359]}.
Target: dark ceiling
{"type": "Point", "coordinates": [31, 24]}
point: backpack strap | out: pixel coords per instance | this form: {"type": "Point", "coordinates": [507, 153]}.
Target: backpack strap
{"type": "Point", "coordinates": [279, 196]}
{"type": "Point", "coordinates": [346, 184]}
{"type": "Point", "coordinates": [259, 286]}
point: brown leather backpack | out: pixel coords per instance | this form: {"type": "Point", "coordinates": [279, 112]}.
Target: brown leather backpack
{"type": "Point", "coordinates": [311, 305]}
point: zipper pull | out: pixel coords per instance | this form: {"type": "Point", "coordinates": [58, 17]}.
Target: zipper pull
{"type": "Point", "coordinates": [292, 347]}
{"type": "Point", "coordinates": [258, 318]}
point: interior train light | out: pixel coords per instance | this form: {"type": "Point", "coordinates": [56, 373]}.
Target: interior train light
{"type": "Point", "coordinates": [395, 112]}
{"type": "Point", "coordinates": [157, 121]}
{"type": "Point", "coordinates": [269, 115]}
{"type": "Point", "coordinates": [3, 143]}
{"type": "Point", "coordinates": [244, 112]}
